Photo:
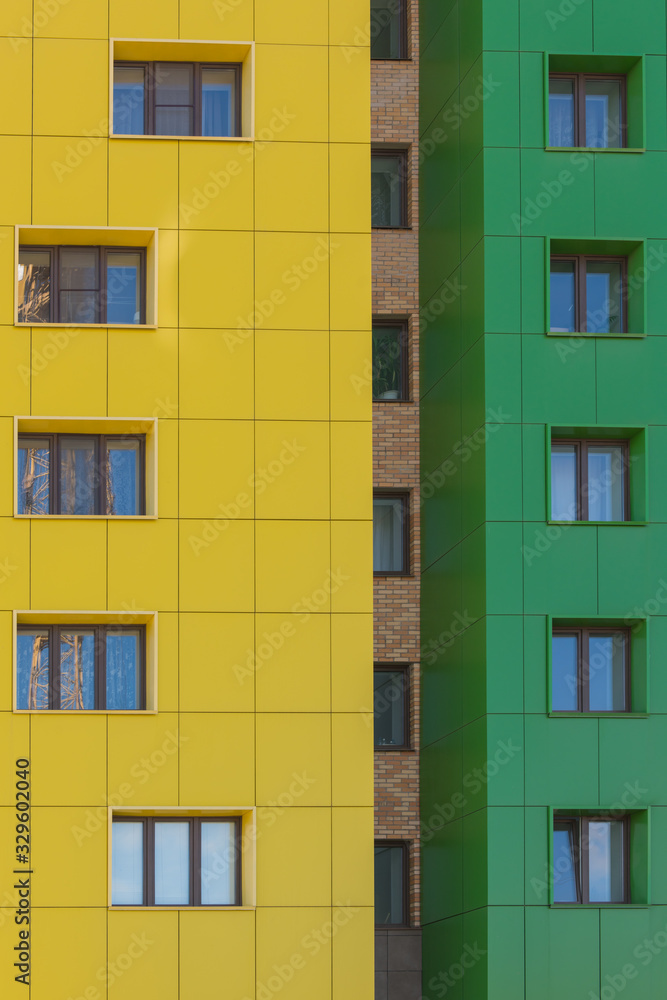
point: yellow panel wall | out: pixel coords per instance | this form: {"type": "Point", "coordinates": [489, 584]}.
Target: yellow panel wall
{"type": "Point", "coordinates": [259, 564]}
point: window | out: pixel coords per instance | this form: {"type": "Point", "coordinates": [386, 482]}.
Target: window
{"type": "Point", "coordinates": [588, 294]}
{"type": "Point", "coordinates": [388, 189]}
{"type": "Point", "coordinates": [390, 361]}
{"type": "Point", "coordinates": [391, 883]}
{"type": "Point", "coordinates": [391, 700]}
{"type": "Point", "coordinates": [590, 669]}
{"type": "Point", "coordinates": [589, 480]}
{"type": "Point", "coordinates": [177, 98]}
{"type": "Point", "coordinates": [79, 285]}
{"type": "Point", "coordinates": [587, 110]}
{"type": "Point", "coordinates": [388, 29]}
{"type": "Point", "coordinates": [175, 861]}
{"type": "Point", "coordinates": [81, 474]}
{"type": "Point", "coordinates": [81, 667]}
{"type": "Point", "coordinates": [590, 859]}
{"type": "Point", "coordinates": [390, 533]}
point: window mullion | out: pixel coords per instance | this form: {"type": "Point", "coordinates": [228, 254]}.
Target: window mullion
{"type": "Point", "coordinates": [100, 668]}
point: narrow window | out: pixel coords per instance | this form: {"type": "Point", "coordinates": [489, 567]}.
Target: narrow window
{"type": "Point", "coordinates": [389, 361]}
{"type": "Point", "coordinates": [388, 29]}
{"type": "Point", "coordinates": [391, 883]}
{"type": "Point", "coordinates": [589, 480]}
{"type": "Point", "coordinates": [587, 110]}
{"type": "Point", "coordinates": [388, 189]}
{"type": "Point", "coordinates": [590, 670]}
{"type": "Point", "coordinates": [390, 707]}
{"type": "Point", "coordinates": [591, 859]}
{"type": "Point", "coordinates": [129, 104]}
{"type": "Point", "coordinates": [588, 294]}
{"type": "Point", "coordinates": [390, 534]}
{"type": "Point", "coordinates": [34, 281]}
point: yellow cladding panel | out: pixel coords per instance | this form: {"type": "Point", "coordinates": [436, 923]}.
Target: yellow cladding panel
{"type": "Point", "coordinates": [7, 462]}
{"type": "Point", "coordinates": [16, 79]}
{"type": "Point", "coordinates": [351, 561]}
{"type": "Point", "coordinates": [69, 181]}
{"type": "Point", "coordinates": [303, 22]}
{"type": "Point", "coordinates": [216, 373]}
{"type": "Point", "coordinates": [349, 94]}
{"type": "Point", "coordinates": [291, 186]}
{"type": "Point", "coordinates": [351, 458]}
{"type": "Point", "coordinates": [350, 198]}
{"type": "Point", "coordinates": [143, 565]}
{"type": "Point", "coordinates": [293, 857]}
{"type": "Point", "coordinates": [215, 185]}
{"type": "Point", "coordinates": [215, 19]}
{"type": "Point", "coordinates": [57, 741]}
{"type": "Point", "coordinates": [69, 369]}
{"type": "Point", "coordinates": [168, 662]}
{"type": "Point", "coordinates": [15, 349]}
{"type": "Point", "coordinates": [14, 729]}
{"type": "Point", "coordinates": [351, 654]}
{"type": "Point", "coordinates": [7, 281]}
{"type": "Point", "coordinates": [351, 375]}
{"type": "Point", "coordinates": [70, 840]}
{"type": "Point", "coordinates": [293, 566]}
{"type": "Point", "coordinates": [352, 769]}
{"type": "Point", "coordinates": [143, 955]}
{"type": "Point", "coordinates": [350, 282]}
{"type": "Point", "coordinates": [281, 358]}
{"type": "Point", "coordinates": [349, 23]}
{"type": "Point", "coordinates": [71, 18]}
{"type": "Point", "coordinates": [216, 653]}
{"type": "Point", "coordinates": [296, 943]}
{"type": "Point", "coordinates": [217, 759]}
{"type": "Point", "coordinates": [228, 942]}
{"type": "Point", "coordinates": [68, 564]}
{"type": "Point", "coordinates": [292, 281]}
{"type": "Point", "coordinates": [215, 468]}
{"type": "Point", "coordinates": [353, 973]}
{"type": "Point", "coordinates": [14, 564]}
{"type": "Point", "coordinates": [143, 183]}
{"type": "Point", "coordinates": [143, 760]}
{"type": "Point", "coordinates": [292, 663]}
{"type": "Point", "coordinates": [61, 106]}
{"type": "Point", "coordinates": [15, 197]}
{"type": "Point", "coordinates": [168, 468]}
{"type": "Point", "coordinates": [352, 855]}
{"type": "Point", "coordinates": [69, 952]}
{"type": "Point", "coordinates": [8, 732]}
{"type": "Point", "coordinates": [168, 249]}
{"type": "Point", "coordinates": [148, 19]}
{"type": "Point", "coordinates": [292, 105]}
{"type": "Point", "coordinates": [294, 759]}
{"type": "Point", "coordinates": [216, 566]}
{"type": "Point", "coordinates": [292, 469]}
{"type": "Point", "coordinates": [143, 373]}
{"type": "Point", "coordinates": [16, 19]}
{"type": "Point", "coordinates": [215, 278]}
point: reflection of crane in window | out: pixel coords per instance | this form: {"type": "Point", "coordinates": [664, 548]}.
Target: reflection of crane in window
{"type": "Point", "coordinates": [71, 670]}
{"type": "Point", "coordinates": [38, 690]}
{"type": "Point", "coordinates": [35, 482]}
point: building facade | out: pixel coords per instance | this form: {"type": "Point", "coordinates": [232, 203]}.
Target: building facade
{"type": "Point", "coordinates": [186, 525]}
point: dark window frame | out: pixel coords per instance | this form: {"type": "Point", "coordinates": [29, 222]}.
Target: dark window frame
{"type": "Point", "coordinates": [403, 55]}
{"type": "Point", "coordinates": [580, 261]}
{"type": "Point", "coordinates": [100, 629]}
{"type": "Point", "coordinates": [103, 254]}
{"type": "Point", "coordinates": [404, 496]}
{"type": "Point", "coordinates": [583, 634]}
{"type": "Point", "coordinates": [406, 850]}
{"type": "Point", "coordinates": [150, 104]}
{"type": "Point", "coordinates": [402, 153]}
{"type": "Point", "coordinates": [101, 441]}
{"type": "Point", "coordinates": [403, 668]}
{"type": "Point", "coordinates": [194, 849]}
{"type": "Point", "coordinates": [404, 337]}
{"type": "Point", "coordinates": [580, 839]}
{"type": "Point", "coordinates": [579, 80]}
{"type": "Point", "coordinates": [582, 472]}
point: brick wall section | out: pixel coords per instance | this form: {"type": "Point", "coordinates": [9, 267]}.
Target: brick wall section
{"type": "Point", "coordinates": [395, 120]}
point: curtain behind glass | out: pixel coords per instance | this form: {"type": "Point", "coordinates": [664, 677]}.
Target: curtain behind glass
{"type": "Point", "coordinates": [603, 113]}
{"type": "Point", "coordinates": [218, 102]}
{"type": "Point", "coordinates": [604, 296]}
{"type": "Point", "coordinates": [387, 535]}
{"type": "Point", "coordinates": [123, 670]}
{"type": "Point", "coordinates": [128, 100]}
{"type": "Point", "coordinates": [79, 475]}
{"type": "Point", "coordinates": [127, 864]}
{"type": "Point", "coordinates": [606, 483]}
{"type": "Point", "coordinates": [561, 112]}
{"type": "Point", "coordinates": [605, 861]}
{"type": "Point", "coordinates": [123, 288]}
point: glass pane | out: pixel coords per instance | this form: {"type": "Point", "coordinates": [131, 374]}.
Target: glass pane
{"type": "Point", "coordinates": [78, 268]}
{"type": "Point", "coordinates": [387, 535]}
{"type": "Point", "coordinates": [385, 29]}
{"type": "Point", "coordinates": [563, 297]}
{"type": "Point", "coordinates": [79, 475]}
{"type": "Point", "coordinates": [603, 113]}
{"type": "Point", "coordinates": [565, 873]}
{"type": "Point", "coordinates": [605, 861]}
{"type": "Point", "coordinates": [561, 112]}
{"type": "Point", "coordinates": [34, 476]}
{"type": "Point", "coordinates": [127, 864]}
{"type": "Point", "coordinates": [606, 672]}
{"type": "Point", "coordinates": [389, 885]}
{"type": "Point", "coordinates": [128, 100]}
{"type": "Point", "coordinates": [124, 288]}
{"type": "Point", "coordinates": [173, 121]}
{"type": "Point", "coordinates": [123, 669]}
{"type": "Point", "coordinates": [172, 864]}
{"type": "Point", "coordinates": [173, 83]}
{"type": "Point", "coordinates": [77, 669]}
{"type": "Point", "coordinates": [218, 102]}
{"type": "Point", "coordinates": [564, 661]}
{"type": "Point", "coordinates": [606, 482]}
{"type": "Point", "coordinates": [563, 482]}
{"type": "Point", "coordinates": [78, 307]}
{"type": "Point", "coordinates": [32, 668]}
{"type": "Point", "coordinates": [386, 189]}
{"type": "Point", "coordinates": [218, 863]}
{"type": "Point", "coordinates": [123, 477]}
{"type": "Point", "coordinates": [388, 362]}
{"type": "Point", "coordinates": [389, 707]}
{"type": "Point", "coordinates": [604, 296]}
{"type": "Point", "coordinates": [34, 291]}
